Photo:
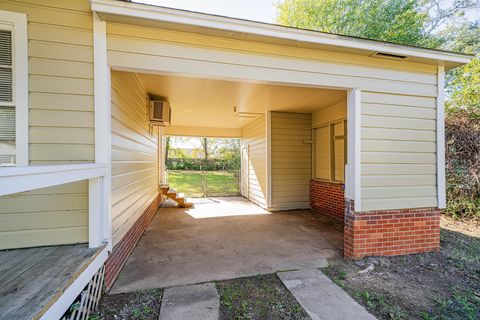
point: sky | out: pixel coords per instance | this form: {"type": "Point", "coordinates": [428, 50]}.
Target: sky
{"type": "Point", "coordinates": [257, 10]}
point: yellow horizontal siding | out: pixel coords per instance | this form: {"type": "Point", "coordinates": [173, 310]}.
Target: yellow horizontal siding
{"type": "Point", "coordinates": [398, 98]}
{"type": "Point", "coordinates": [60, 49]}
{"type": "Point", "coordinates": [254, 139]}
{"type": "Point", "coordinates": [290, 153]}
{"type": "Point", "coordinates": [329, 114]}
{"type": "Point", "coordinates": [134, 153]}
{"type": "Point", "coordinates": [394, 70]}
{"type": "Point", "coordinates": [398, 151]}
{"type": "Point", "coordinates": [146, 48]}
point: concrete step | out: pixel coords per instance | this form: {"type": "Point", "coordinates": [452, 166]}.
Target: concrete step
{"type": "Point", "coordinates": [198, 301]}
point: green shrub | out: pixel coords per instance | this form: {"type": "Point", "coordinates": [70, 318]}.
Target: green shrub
{"type": "Point", "coordinates": [463, 208]}
{"type": "Point", "coordinates": [463, 165]}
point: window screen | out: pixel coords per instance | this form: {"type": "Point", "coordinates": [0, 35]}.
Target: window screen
{"type": "Point", "coordinates": [7, 107]}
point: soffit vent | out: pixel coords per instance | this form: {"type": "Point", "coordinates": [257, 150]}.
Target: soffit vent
{"type": "Point", "coordinates": [249, 115]}
{"type": "Point", "coordinates": [384, 55]}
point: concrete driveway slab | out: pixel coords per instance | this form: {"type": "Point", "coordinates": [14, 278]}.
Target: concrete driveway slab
{"type": "Point", "coordinates": [226, 238]}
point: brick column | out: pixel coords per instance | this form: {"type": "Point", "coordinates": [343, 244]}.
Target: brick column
{"type": "Point", "coordinates": [390, 232]}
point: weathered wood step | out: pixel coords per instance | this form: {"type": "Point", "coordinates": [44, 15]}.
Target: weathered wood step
{"type": "Point", "coordinates": [164, 189]}
{"type": "Point", "coordinates": [187, 205]}
{"type": "Point", "coordinates": [180, 198]}
{"type": "Point", "coordinates": [172, 194]}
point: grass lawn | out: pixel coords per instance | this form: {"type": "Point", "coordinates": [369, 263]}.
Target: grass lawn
{"type": "Point", "coordinates": [437, 285]}
{"type": "Point", "coordinates": [142, 305]}
{"type": "Point", "coordinates": [192, 183]}
{"type": "Point", "coordinates": [258, 297]}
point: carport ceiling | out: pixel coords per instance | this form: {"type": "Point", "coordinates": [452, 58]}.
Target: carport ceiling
{"type": "Point", "coordinates": [210, 103]}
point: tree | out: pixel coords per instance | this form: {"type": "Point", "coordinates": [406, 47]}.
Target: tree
{"type": "Point", "coordinates": [204, 142]}
{"type": "Point", "coordinates": [410, 22]}
{"type": "Point", "coordinates": [426, 23]}
{"type": "Point", "coordinates": [463, 83]}
{"type": "Point", "coordinates": [167, 147]}
{"type": "Point", "coordinates": [441, 12]}
{"type": "Point", "coordinates": [399, 21]}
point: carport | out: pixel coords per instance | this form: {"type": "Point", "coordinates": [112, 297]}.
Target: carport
{"type": "Point", "coordinates": [341, 125]}
{"type": "Point", "coordinates": [223, 238]}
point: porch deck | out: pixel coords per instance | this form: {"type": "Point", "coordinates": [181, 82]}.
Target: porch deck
{"type": "Point", "coordinates": [32, 279]}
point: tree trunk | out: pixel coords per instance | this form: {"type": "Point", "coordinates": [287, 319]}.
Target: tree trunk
{"type": "Point", "coordinates": [205, 152]}
{"type": "Point", "coordinates": [167, 148]}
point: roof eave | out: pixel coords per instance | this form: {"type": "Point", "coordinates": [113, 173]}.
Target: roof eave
{"type": "Point", "coordinates": [137, 10]}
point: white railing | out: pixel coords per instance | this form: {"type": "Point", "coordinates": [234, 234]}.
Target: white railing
{"type": "Point", "coordinates": [21, 179]}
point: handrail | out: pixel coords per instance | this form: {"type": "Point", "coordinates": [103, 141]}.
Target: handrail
{"type": "Point", "coordinates": [20, 179]}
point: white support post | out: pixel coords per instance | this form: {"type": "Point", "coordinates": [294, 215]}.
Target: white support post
{"type": "Point", "coordinates": [103, 145]}
{"type": "Point", "coordinates": [441, 191]}
{"type": "Point", "coordinates": [353, 174]}
{"type": "Point", "coordinates": [161, 157]}
{"type": "Point", "coordinates": [268, 133]}
{"type": "Point", "coordinates": [95, 232]}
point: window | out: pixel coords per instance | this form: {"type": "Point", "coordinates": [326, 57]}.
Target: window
{"type": "Point", "coordinates": [13, 89]}
{"type": "Point", "coordinates": [330, 151]}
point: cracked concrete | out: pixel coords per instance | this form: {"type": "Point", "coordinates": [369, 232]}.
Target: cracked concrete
{"type": "Point", "coordinates": [225, 238]}
{"type": "Point", "coordinates": [198, 301]}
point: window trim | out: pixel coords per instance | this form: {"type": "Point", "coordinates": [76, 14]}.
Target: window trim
{"type": "Point", "coordinates": [17, 23]}
{"type": "Point", "coordinates": [331, 144]}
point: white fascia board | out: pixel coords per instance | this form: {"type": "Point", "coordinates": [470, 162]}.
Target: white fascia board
{"type": "Point", "coordinates": [21, 179]}
{"type": "Point", "coordinates": [203, 20]}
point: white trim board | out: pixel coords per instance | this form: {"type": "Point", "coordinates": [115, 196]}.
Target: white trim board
{"type": "Point", "coordinates": [72, 292]}
{"type": "Point", "coordinates": [20, 179]}
{"type": "Point", "coordinates": [17, 23]}
{"type": "Point", "coordinates": [441, 189]}
{"type": "Point", "coordinates": [352, 170]}
{"type": "Point", "coordinates": [268, 137]}
{"type": "Point", "coordinates": [299, 36]}
{"type": "Point", "coordinates": [103, 131]}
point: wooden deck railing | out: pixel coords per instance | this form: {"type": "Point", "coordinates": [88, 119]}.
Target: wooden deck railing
{"type": "Point", "coordinates": [21, 179]}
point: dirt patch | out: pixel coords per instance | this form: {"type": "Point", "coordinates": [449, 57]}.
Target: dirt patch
{"type": "Point", "coordinates": [259, 297]}
{"type": "Point", "coordinates": [437, 285]}
{"type": "Point", "coordinates": [144, 305]}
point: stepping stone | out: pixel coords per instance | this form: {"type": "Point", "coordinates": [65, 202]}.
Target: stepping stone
{"type": "Point", "coordinates": [198, 301]}
{"type": "Point", "coordinates": [321, 297]}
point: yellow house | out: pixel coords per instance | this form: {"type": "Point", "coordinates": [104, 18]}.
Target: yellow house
{"type": "Point", "coordinates": [352, 128]}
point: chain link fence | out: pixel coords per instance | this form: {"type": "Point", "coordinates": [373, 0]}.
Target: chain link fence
{"type": "Point", "coordinates": [205, 183]}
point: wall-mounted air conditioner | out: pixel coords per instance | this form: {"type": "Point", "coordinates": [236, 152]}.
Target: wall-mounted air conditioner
{"type": "Point", "coordinates": [160, 113]}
